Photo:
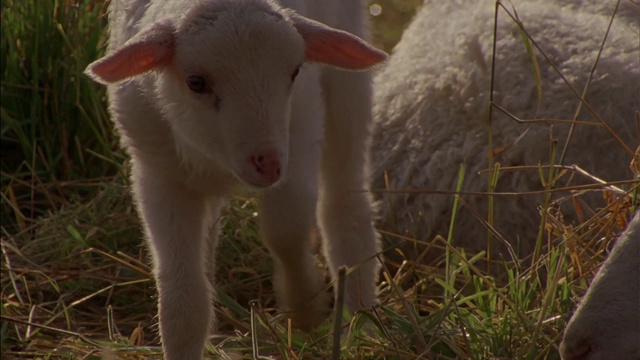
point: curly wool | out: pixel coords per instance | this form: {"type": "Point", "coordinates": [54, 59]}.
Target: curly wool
{"type": "Point", "coordinates": [432, 110]}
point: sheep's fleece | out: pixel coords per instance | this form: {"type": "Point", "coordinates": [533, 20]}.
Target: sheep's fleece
{"type": "Point", "coordinates": [432, 110]}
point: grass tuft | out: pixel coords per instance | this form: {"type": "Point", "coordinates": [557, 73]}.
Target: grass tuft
{"type": "Point", "coordinates": [55, 131]}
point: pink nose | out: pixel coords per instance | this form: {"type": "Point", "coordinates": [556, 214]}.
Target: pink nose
{"type": "Point", "coordinates": [267, 165]}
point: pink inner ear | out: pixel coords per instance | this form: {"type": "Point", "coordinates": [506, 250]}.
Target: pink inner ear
{"type": "Point", "coordinates": [133, 59]}
{"type": "Point", "coordinates": [343, 52]}
{"type": "Point", "coordinates": [336, 47]}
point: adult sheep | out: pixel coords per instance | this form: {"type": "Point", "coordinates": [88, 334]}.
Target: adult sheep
{"type": "Point", "coordinates": [431, 114]}
{"type": "Point", "coordinates": [606, 325]}
{"type": "Point", "coordinates": [212, 96]}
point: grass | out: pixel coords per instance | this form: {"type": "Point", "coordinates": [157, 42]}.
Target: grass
{"type": "Point", "coordinates": [56, 136]}
{"type": "Point", "coordinates": [75, 278]}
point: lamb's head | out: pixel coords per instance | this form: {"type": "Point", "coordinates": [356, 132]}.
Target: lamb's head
{"type": "Point", "coordinates": [606, 325]}
{"type": "Point", "coordinates": [223, 74]}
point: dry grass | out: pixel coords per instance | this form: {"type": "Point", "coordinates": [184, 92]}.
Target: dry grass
{"type": "Point", "coordinates": [80, 283]}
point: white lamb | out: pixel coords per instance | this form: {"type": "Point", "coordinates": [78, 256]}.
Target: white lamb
{"type": "Point", "coordinates": [214, 96]}
{"type": "Point", "coordinates": [606, 325]}
{"type": "Point", "coordinates": [431, 113]}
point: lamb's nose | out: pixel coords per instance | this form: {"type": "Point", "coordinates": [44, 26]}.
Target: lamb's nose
{"type": "Point", "coordinates": [577, 351]}
{"type": "Point", "coordinates": [267, 165]}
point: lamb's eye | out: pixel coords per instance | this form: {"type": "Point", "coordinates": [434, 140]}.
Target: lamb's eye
{"type": "Point", "coordinates": [295, 73]}
{"type": "Point", "coordinates": [197, 84]}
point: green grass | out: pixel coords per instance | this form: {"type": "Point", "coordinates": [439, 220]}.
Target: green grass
{"type": "Point", "coordinates": [75, 276]}
{"type": "Point", "coordinates": [57, 141]}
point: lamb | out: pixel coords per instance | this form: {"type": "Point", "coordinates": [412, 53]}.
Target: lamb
{"type": "Point", "coordinates": [431, 111]}
{"type": "Point", "coordinates": [212, 97]}
{"type": "Point", "coordinates": [606, 325]}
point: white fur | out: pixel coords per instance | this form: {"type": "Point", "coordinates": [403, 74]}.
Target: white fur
{"type": "Point", "coordinates": [606, 325]}
{"type": "Point", "coordinates": [303, 146]}
{"type": "Point", "coordinates": [431, 113]}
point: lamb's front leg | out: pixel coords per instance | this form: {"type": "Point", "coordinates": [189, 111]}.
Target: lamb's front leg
{"type": "Point", "coordinates": [175, 224]}
{"type": "Point", "coordinates": [345, 209]}
{"type": "Point", "coordinates": [288, 214]}
{"type": "Point", "coordinates": [288, 211]}
{"type": "Point", "coordinates": [213, 218]}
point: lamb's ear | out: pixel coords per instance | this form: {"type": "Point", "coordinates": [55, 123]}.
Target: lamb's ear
{"type": "Point", "coordinates": [335, 47]}
{"type": "Point", "coordinates": [147, 50]}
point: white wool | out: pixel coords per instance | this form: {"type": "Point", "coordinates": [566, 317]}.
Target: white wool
{"type": "Point", "coordinates": [203, 96]}
{"type": "Point", "coordinates": [432, 102]}
{"type": "Point", "coordinates": [606, 325]}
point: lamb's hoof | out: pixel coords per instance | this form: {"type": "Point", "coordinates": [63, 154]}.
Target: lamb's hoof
{"type": "Point", "coordinates": [308, 316]}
